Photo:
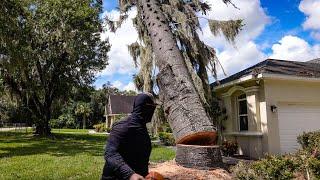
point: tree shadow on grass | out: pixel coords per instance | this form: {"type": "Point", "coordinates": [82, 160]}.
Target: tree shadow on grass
{"type": "Point", "coordinates": [22, 144]}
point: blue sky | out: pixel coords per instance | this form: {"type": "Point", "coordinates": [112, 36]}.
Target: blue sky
{"type": "Point", "coordinates": [282, 29]}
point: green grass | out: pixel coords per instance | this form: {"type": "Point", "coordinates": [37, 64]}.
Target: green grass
{"type": "Point", "coordinates": [73, 155]}
{"type": "Point", "coordinates": [160, 154]}
{"type": "Point", "coordinates": [70, 130]}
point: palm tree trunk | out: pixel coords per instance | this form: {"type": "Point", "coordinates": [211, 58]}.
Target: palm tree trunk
{"type": "Point", "coordinates": [83, 122]}
{"type": "Point", "coordinates": [182, 104]}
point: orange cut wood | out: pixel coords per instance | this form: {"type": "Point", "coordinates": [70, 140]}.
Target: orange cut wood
{"type": "Point", "coordinates": [199, 138]}
{"type": "Point", "coordinates": [154, 176]}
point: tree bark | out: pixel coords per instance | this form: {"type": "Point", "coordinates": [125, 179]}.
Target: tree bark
{"type": "Point", "coordinates": [182, 104]}
{"type": "Point", "coordinates": [42, 128]}
{"type": "Point", "coordinates": [199, 157]}
{"type": "Point", "coordinates": [43, 112]}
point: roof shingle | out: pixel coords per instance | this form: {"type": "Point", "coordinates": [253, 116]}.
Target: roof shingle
{"type": "Point", "coordinates": [281, 67]}
{"type": "Point", "coordinates": [120, 104]}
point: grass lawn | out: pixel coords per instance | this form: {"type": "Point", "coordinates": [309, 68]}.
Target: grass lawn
{"type": "Point", "coordinates": [70, 155]}
{"type": "Point", "coordinates": [81, 131]}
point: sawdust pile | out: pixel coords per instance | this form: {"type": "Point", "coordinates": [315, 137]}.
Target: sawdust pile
{"type": "Point", "coordinates": [170, 170]}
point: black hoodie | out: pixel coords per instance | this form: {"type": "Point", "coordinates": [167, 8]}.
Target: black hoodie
{"type": "Point", "coordinates": [129, 146]}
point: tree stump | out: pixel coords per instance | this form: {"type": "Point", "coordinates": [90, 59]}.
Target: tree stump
{"type": "Point", "coordinates": [199, 157]}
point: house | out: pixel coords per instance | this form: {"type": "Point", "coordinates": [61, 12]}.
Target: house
{"type": "Point", "coordinates": [117, 107]}
{"type": "Point", "coordinates": [269, 104]}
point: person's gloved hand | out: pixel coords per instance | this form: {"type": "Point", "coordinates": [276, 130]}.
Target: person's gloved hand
{"type": "Point", "coordinates": [136, 177]}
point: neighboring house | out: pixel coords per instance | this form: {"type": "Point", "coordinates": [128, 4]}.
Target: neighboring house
{"type": "Point", "coordinates": [118, 106]}
{"type": "Point", "coordinates": [268, 105]}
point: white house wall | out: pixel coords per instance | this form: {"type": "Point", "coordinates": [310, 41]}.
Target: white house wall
{"type": "Point", "coordinates": [279, 92]}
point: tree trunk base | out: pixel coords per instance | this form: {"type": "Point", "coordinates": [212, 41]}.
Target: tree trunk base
{"type": "Point", "coordinates": [199, 157]}
{"type": "Point", "coordinates": [43, 131]}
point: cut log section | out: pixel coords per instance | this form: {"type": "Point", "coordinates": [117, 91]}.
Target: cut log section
{"type": "Point", "coordinates": [199, 157]}
{"type": "Point", "coordinates": [199, 138]}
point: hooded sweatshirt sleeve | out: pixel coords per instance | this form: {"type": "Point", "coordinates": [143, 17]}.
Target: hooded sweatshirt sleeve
{"type": "Point", "coordinates": [112, 156]}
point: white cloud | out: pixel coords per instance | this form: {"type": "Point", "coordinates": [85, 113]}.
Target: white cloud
{"type": "Point", "coordinates": [233, 60]}
{"type": "Point", "coordinates": [311, 8]}
{"type": "Point", "coordinates": [253, 15]}
{"type": "Point", "coordinates": [117, 84]}
{"type": "Point", "coordinates": [120, 60]}
{"type": "Point", "coordinates": [294, 48]}
{"type": "Point", "coordinates": [245, 52]}
{"type": "Point", "coordinates": [130, 86]}
{"type": "Point", "coordinates": [124, 87]}
{"type": "Point", "coordinates": [316, 35]}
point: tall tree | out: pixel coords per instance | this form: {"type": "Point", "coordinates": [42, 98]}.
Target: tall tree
{"type": "Point", "coordinates": [48, 47]}
{"type": "Point", "coordinates": [168, 36]}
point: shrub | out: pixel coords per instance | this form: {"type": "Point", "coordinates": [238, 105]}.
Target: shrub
{"type": "Point", "coordinates": [309, 163]}
{"type": "Point", "coordinates": [56, 123]}
{"type": "Point", "coordinates": [276, 167]}
{"type": "Point", "coordinates": [166, 139]}
{"type": "Point", "coordinates": [243, 171]}
{"type": "Point", "coordinates": [229, 148]}
{"type": "Point", "coordinates": [101, 127]}
{"type": "Point", "coordinates": [314, 165]}
{"type": "Point", "coordinates": [310, 141]}
{"type": "Point", "coordinates": [70, 122]}
{"type": "Point", "coordinates": [306, 162]}
{"type": "Point", "coordinates": [165, 127]}
{"type": "Point", "coordinates": [272, 167]}
{"type": "Point", "coordinates": [310, 155]}
{"type": "Point", "coordinates": [63, 121]}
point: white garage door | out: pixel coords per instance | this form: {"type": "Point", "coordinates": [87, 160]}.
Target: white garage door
{"type": "Point", "coordinates": [293, 121]}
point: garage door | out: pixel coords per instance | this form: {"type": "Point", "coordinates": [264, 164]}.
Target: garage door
{"type": "Point", "coordinates": [293, 121]}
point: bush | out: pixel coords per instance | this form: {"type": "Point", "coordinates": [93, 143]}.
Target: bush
{"type": "Point", "coordinates": [243, 171]}
{"type": "Point", "coordinates": [310, 155]}
{"type": "Point", "coordinates": [56, 123]}
{"type": "Point", "coordinates": [165, 128]}
{"type": "Point", "coordinates": [101, 127]}
{"type": "Point", "coordinates": [272, 167]}
{"type": "Point", "coordinates": [229, 148]}
{"type": "Point", "coordinates": [310, 141]}
{"type": "Point", "coordinates": [314, 165]}
{"type": "Point", "coordinates": [167, 139]}
{"type": "Point", "coordinates": [305, 163]}
{"type": "Point", "coordinates": [276, 167]}
{"type": "Point", "coordinates": [63, 121]}
{"type": "Point", "coordinates": [309, 163]}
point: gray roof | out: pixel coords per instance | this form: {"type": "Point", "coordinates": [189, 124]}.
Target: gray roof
{"type": "Point", "coordinates": [314, 61]}
{"type": "Point", "coordinates": [120, 104]}
{"type": "Point", "coordinates": [281, 67]}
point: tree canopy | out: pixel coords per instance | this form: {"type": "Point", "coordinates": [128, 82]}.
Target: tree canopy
{"type": "Point", "coordinates": [47, 48]}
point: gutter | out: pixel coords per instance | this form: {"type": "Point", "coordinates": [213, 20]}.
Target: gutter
{"type": "Point", "coordinates": [267, 76]}
{"type": "Point", "coordinates": [288, 77]}
{"type": "Point", "coordinates": [237, 81]}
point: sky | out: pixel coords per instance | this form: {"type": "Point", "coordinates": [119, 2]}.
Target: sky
{"type": "Point", "coordinates": [279, 29]}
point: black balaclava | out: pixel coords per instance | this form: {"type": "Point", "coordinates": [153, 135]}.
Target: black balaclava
{"type": "Point", "coordinates": [143, 108]}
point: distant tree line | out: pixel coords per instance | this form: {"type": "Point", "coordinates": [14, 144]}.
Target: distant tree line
{"type": "Point", "coordinates": [84, 108]}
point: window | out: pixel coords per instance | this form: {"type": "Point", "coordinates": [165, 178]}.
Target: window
{"type": "Point", "coordinates": [243, 112]}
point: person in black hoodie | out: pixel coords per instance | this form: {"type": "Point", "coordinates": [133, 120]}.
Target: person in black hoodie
{"type": "Point", "coordinates": [129, 145]}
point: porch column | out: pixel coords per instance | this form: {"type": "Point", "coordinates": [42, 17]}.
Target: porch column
{"type": "Point", "coordinates": [253, 102]}
{"type": "Point", "coordinates": [229, 123]}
